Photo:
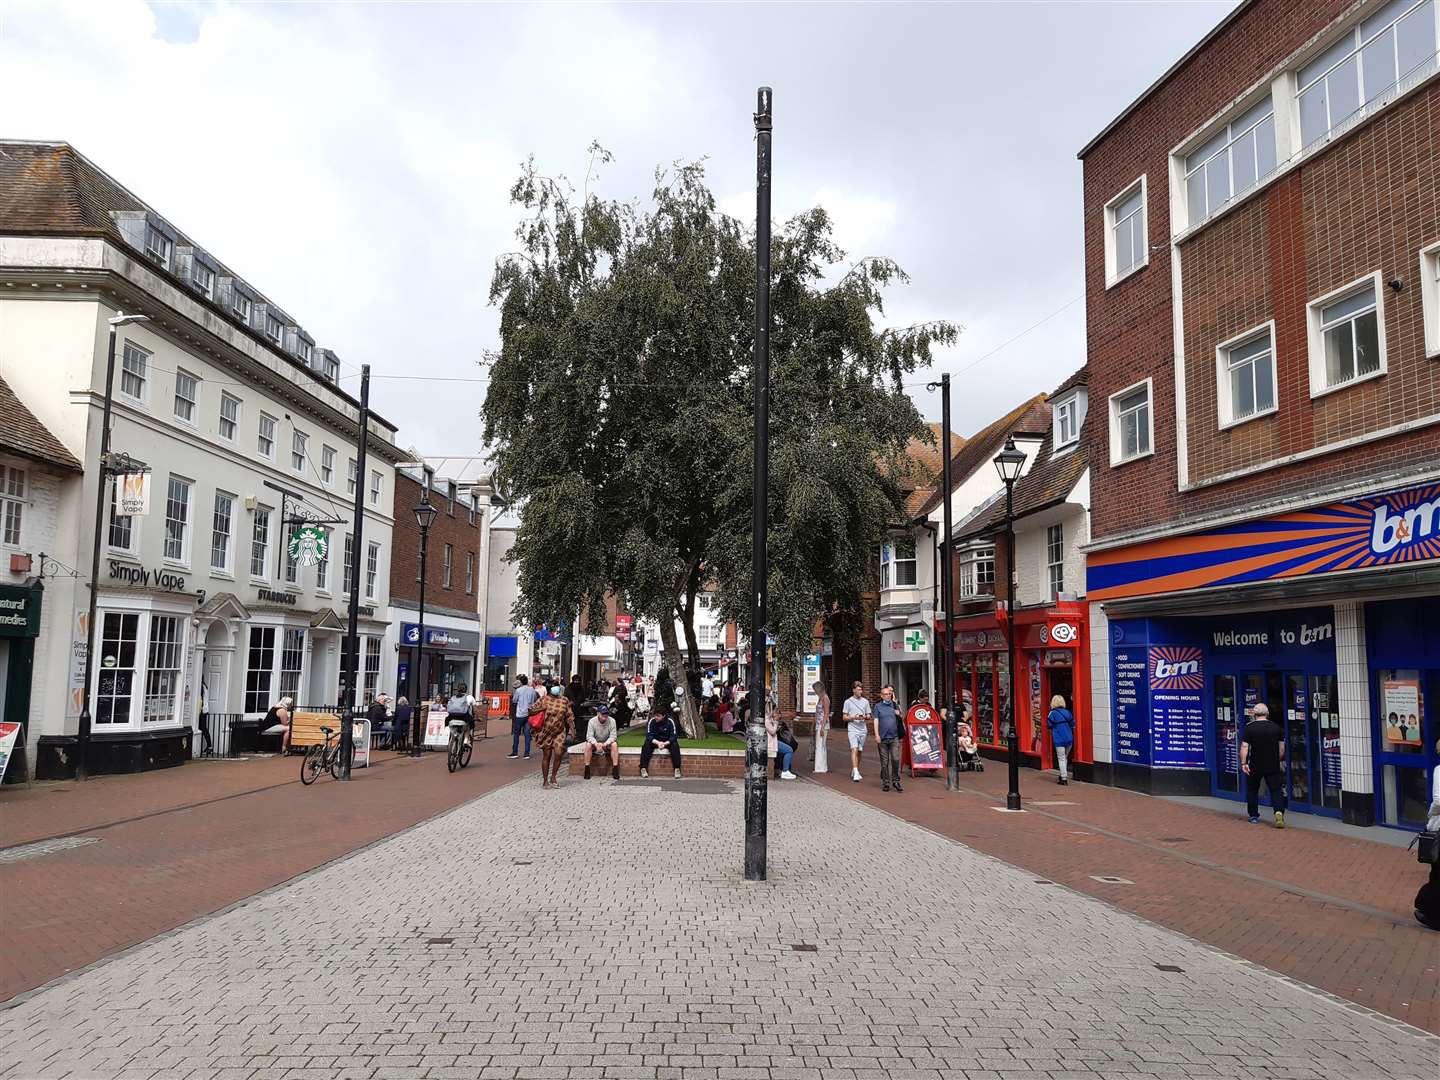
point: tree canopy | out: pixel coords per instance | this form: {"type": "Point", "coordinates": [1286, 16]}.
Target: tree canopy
{"type": "Point", "coordinates": [620, 408]}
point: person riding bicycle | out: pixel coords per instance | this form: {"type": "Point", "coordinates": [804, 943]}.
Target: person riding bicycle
{"type": "Point", "coordinates": [461, 706]}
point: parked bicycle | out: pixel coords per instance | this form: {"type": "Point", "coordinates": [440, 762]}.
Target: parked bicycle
{"type": "Point", "coordinates": [460, 744]}
{"type": "Point", "coordinates": [319, 758]}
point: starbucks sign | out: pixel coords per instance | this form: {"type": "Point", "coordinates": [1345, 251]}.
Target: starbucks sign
{"type": "Point", "coordinates": [308, 545]}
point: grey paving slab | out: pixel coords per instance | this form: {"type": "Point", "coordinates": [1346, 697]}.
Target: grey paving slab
{"type": "Point", "coordinates": [603, 931]}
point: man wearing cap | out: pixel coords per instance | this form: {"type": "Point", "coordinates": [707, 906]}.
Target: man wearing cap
{"type": "Point", "coordinates": [1261, 752]}
{"type": "Point", "coordinates": [601, 737]}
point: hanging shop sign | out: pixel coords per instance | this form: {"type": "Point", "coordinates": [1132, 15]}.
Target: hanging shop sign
{"type": "Point", "coordinates": [132, 497]}
{"type": "Point", "coordinates": [624, 626]}
{"type": "Point", "coordinates": [309, 544]}
{"type": "Point", "coordinates": [130, 574]}
{"type": "Point", "coordinates": [1379, 530]}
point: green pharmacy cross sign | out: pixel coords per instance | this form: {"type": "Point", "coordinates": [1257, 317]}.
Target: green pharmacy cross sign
{"type": "Point", "coordinates": [308, 545]}
{"type": "Point", "coordinates": [914, 641]}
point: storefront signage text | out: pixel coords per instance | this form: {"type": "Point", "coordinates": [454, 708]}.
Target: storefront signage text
{"type": "Point", "coordinates": [138, 576]}
{"type": "Point", "coordinates": [273, 597]}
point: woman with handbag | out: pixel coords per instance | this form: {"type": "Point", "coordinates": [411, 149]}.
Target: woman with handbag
{"type": "Point", "coordinates": [1427, 900]}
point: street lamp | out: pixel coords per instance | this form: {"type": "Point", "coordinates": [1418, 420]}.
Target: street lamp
{"type": "Point", "coordinates": [424, 517]}
{"type": "Point", "coordinates": [1008, 464]}
{"type": "Point", "coordinates": [946, 690]}
{"type": "Point", "coordinates": [82, 742]}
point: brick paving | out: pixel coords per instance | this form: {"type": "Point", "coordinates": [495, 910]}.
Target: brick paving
{"type": "Point", "coordinates": [1332, 911]}
{"type": "Point", "coordinates": [172, 845]}
{"type": "Point", "coordinates": [462, 949]}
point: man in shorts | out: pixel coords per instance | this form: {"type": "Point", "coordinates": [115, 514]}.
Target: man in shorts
{"type": "Point", "coordinates": [857, 723]}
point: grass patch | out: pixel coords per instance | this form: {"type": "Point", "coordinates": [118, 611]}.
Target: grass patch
{"type": "Point", "coordinates": [713, 740]}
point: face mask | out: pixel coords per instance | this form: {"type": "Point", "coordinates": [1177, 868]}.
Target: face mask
{"type": "Point", "coordinates": [554, 691]}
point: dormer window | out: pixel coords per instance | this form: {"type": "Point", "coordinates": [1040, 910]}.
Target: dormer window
{"type": "Point", "coordinates": [274, 328]}
{"type": "Point", "coordinates": [158, 246]}
{"type": "Point", "coordinates": [203, 278]}
{"type": "Point", "coordinates": [1069, 416]}
{"type": "Point", "coordinates": [304, 350]}
{"type": "Point", "coordinates": [240, 305]}
{"type": "Point", "coordinates": [330, 367]}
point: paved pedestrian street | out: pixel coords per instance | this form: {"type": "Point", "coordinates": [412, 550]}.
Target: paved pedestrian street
{"type": "Point", "coordinates": [602, 930]}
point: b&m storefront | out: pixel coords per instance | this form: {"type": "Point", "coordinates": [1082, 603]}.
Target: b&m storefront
{"type": "Point", "coordinates": [1329, 615]}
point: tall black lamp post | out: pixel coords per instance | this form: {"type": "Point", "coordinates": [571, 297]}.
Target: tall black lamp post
{"type": "Point", "coordinates": [424, 517]}
{"type": "Point", "coordinates": [1008, 463]}
{"type": "Point", "coordinates": [102, 486]}
{"type": "Point", "coordinates": [945, 692]}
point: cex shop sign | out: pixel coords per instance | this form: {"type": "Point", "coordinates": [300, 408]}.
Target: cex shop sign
{"type": "Point", "coordinates": [1064, 633]}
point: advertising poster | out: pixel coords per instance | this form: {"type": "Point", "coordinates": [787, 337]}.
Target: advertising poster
{"type": "Point", "coordinates": [925, 746]}
{"type": "Point", "coordinates": [8, 734]}
{"type": "Point", "coordinates": [1037, 707]}
{"type": "Point", "coordinates": [1400, 707]}
{"type": "Point", "coordinates": [360, 739]}
{"type": "Point", "coordinates": [808, 678]}
{"type": "Point", "coordinates": [1177, 715]}
{"type": "Point", "coordinates": [1131, 703]}
{"type": "Point", "coordinates": [437, 735]}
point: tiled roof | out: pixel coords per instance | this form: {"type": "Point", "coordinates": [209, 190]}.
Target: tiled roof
{"type": "Point", "coordinates": [1028, 418]}
{"type": "Point", "coordinates": [49, 188]}
{"type": "Point", "coordinates": [22, 433]}
{"type": "Point", "coordinates": [1048, 483]}
{"type": "Point", "coordinates": [926, 461]}
{"type": "Point", "coordinates": [1080, 378]}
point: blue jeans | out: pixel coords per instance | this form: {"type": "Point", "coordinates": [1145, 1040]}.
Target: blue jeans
{"type": "Point", "coordinates": [786, 753]}
{"type": "Point", "coordinates": [517, 725]}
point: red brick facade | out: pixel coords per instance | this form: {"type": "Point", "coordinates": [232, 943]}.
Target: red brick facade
{"type": "Point", "coordinates": [453, 528]}
{"type": "Point", "coordinates": [1368, 202]}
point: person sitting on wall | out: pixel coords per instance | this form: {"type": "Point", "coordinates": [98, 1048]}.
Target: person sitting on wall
{"type": "Point", "coordinates": [661, 733]}
{"type": "Point", "coordinates": [277, 721]}
{"type": "Point", "coordinates": [602, 737]}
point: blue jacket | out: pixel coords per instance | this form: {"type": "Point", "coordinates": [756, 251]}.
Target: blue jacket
{"type": "Point", "coordinates": [660, 729]}
{"type": "Point", "coordinates": [1062, 727]}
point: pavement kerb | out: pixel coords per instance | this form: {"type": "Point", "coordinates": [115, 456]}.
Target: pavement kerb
{"type": "Point", "coordinates": [200, 920]}
{"type": "Point", "coordinates": [1239, 961]}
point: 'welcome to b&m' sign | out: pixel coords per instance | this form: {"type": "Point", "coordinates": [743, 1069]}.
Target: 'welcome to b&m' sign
{"type": "Point", "coordinates": [1381, 530]}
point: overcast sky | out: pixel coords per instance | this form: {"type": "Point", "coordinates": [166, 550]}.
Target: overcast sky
{"type": "Point", "coordinates": [353, 160]}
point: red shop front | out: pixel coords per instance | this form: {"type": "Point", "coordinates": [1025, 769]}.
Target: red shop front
{"type": "Point", "coordinates": [1052, 653]}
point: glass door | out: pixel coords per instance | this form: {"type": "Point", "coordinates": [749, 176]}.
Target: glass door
{"type": "Point", "coordinates": [1297, 739]}
{"type": "Point", "coordinates": [1407, 734]}
{"type": "Point", "coordinates": [1227, 722]}
{"type": "Point", "coordinates": [1325, 742]}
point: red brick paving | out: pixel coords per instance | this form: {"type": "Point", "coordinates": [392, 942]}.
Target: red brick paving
{"type": "Point", "coordinates": [1332, 911]}
{"type": "Point", "coordinates": [180, 843]}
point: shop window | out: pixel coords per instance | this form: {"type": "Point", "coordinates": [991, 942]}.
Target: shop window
{"type": "Point", "coordinates": [12, 505]}
{"type": "Point", "coordinates": [372, 667]}
{"type": "Point", "coordinates": [115, 687]}
{"type": "Point", "coordinates": [292, 659]}
{"type": "Point", "coordinates": [260, 669]}
{"type": "Point", "coordinates": [162, 669]}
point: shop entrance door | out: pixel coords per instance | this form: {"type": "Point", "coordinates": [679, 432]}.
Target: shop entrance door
{"type": "Point", "coordinates": [1305, 708]}
{"type": "Point", "coordinates": [1408, 726]}
{"type": "Point", "coordinates": [1058, 680]}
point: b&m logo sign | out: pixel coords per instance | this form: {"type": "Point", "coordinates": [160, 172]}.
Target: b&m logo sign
{"type": "Point", "coordinates": [1359, 534]}
{"type": "Point", "coordinates": [1176, 667]}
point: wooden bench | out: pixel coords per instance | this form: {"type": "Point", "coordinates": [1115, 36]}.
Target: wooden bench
{"type": "Point", "coordinates": [305, 728]}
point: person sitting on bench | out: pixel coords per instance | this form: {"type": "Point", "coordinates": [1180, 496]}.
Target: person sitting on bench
{"type": "Point", "coordinates": [600, 738]}
{"type": "Point", "coordinates": [661, 733]}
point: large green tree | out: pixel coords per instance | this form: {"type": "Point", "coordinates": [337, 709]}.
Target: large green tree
{"type": "Point", "coordinates": [619, 409]}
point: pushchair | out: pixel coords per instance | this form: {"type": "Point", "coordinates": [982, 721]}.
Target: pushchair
{"type": "Point", "coordinates": [967, 753]}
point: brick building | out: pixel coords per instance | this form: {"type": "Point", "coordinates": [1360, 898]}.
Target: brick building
{"type": "Point", "coordinates": [455, 579]}
{"type": "Point", "coordinates": [1262, 250]}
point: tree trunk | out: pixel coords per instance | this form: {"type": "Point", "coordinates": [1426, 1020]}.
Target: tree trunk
{"type": "Point", "coordinates": [687, 618]}
{"type": "Point", "coordinates": [689, 707]}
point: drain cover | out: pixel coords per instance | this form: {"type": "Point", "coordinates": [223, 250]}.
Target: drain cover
{"type": "Point", "coordinates": [1108, 879]}
{"type": "Point", "coordinates": [804, 948]}
{"type": "Point", "coordinates": [1168, 967]}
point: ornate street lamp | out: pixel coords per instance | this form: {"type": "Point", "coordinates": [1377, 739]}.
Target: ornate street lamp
{"type": "Point", "coordinates": [1008, 464]}
{"type": "Point", "coordinates": [424, 517]}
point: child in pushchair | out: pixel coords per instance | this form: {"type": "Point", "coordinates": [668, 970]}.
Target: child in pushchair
{"type": "Point", "coordinates": [969, 753]}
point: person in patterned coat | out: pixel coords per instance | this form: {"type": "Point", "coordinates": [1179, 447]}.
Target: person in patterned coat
{"type": "Point", "coordinates": [557, 723]}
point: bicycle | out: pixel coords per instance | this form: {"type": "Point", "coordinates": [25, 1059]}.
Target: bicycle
{"type": "Point", "coordinates": [461, 747]}
{"type": "Point", "coordinates": [319, 758]}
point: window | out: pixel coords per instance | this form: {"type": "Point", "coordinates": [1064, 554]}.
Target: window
{"type": "Point", "coordinates": [1055, 558]}
{"type": "Point", "coordinates": [450, 497]}
{"type": "Point", "coordinates": [134, 371]}
{"type": "Point", "coordinates": [292, 660]}
{"type": "Point", "coordinates": [203, 278]}
{"type": "Point", "coordinates": [347, 570]}
{"type": "Point", "coordinates": [1132, 428]}
{"type": "Point", "coordinates": [1069, 416]}
{"type": "Point", "coordinates": [1368, 67]}
{"type": "Point", "coordinates": [304, 350]}
{"type": "Point", "coordinates": [1430, 297]}
{"type": "Point", "coordinates": [446, 565]}
{"type": "Point", "coordinates": [469, 572]}
{"type": "Point", "coordinates": [1347, 343]}
{"type": "Point", "coordinates": [177, 520]}
{"type": "Point", "coordinates": [221, 527]}
{"type": "Point", "coordinates": [122, 529]}
{"type": "Point", "coordinates": [240, 305]}
{"type": "Point", "coordinates": [707, 636]}
{"type": "Point", "coordinates": [977, 571]}
{"type": "Point", "coordinates": [1126, 247]}
{"type": "Point", "coordinates": [265, 441]}
{"type": "Point", "coordinates": [115, 686]}
{"type": "Point", "coordinates": [327, 464]}
{"type": "Point", "coordinates": [298, 439]}
{"type": "Point", "coordinates": [330, 367]}
{"type": "Point", "coordinates": [274, 328]}
{"type": "Point", "coordinates": [705, 601]}
{"type": "Point", "coordinates": [158, 246]}
{"type": "Point", "coordinates": [322, 568]}
{"type": "Point", "coordinates": [1233, 161]}
{"type": "Point", "coordinates": [352, 476]}
{"type": "Point", "coordinates": [12, 505]}
{"type": "Point", "coordinates": [229, 416]}
{"type": "Point", "coordinates": [260, 542]}
{"type": "Point", "coordinates": [1246, 368]}
{"type": "Point", "coordinates": [897, 563]}
{"type": "Point", "coordinates": [187, 388]}
{"type": "Point", "coordinates": [372, 570]}
{"type": "Point", "coordinates": [162, 670]}
{"type": "Point", "coordinates": [372, 667]}
{"type": "Point", "coordinates": [474, 508]}
{"type": "Point", "coordinates": [259, 669]}
{"type": "Point", "coordinates": [375, 483]}
{"type": "Point", "coordinates": [292, 565]}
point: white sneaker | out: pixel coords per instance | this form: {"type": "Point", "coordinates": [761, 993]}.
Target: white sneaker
{"type": "Point", "coordinates": [788, 776]}
{"type": "Point", "coordinates": [855, 775]}
{"type": "Point", "coordinates": [677, 774]}
{"type": "Point", "coordinates": [644, 774]}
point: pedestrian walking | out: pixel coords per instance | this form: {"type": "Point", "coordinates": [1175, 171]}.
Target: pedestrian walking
{"type": "Point", "coordinates": [1261, 752]}
{"type": "Point", "coordinates": [857, 725]}
{"type": "Point", "coordinates": [557, 720]}
{"type": "Point", "coordinates": [887, 736]}
{"type": "Point", "coordinates": [1061, 722]}
{"type": "Point", "coordinates": [822, 728]}
{"type": "Point", "coordinates": [1427, 900]}
{"type": "Point", "coordinates": [522, 701]}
